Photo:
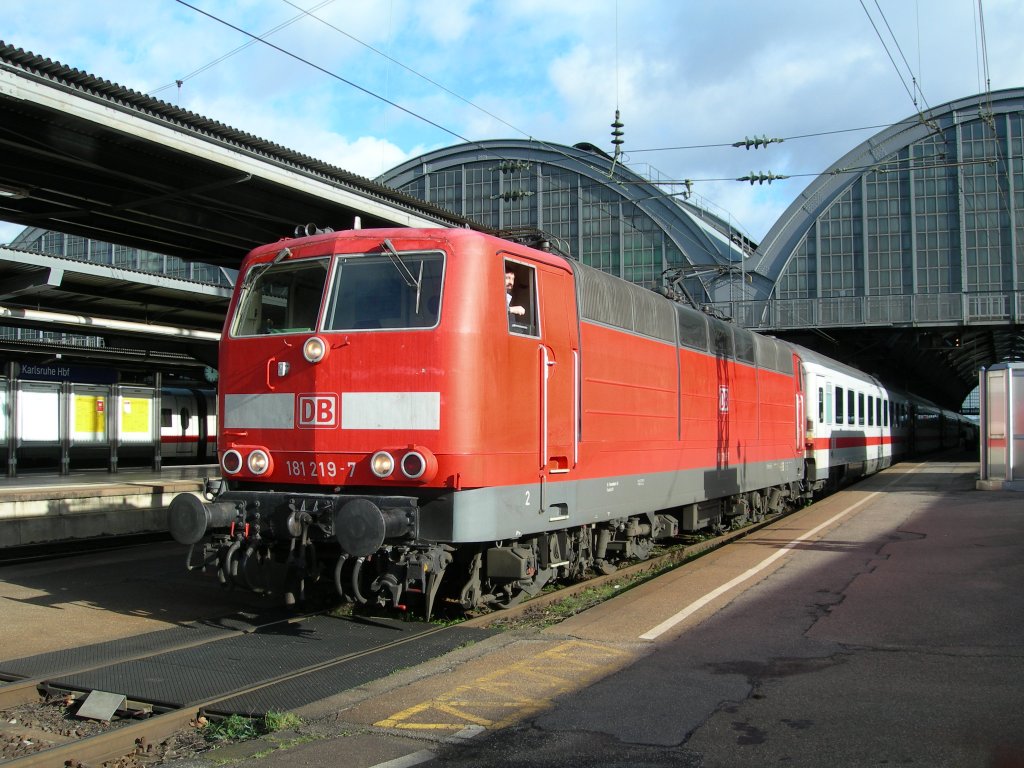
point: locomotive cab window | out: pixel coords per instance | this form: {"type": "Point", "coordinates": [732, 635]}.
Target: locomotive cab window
{"type": "Point", "coordinates": [391, 291]}
{"type": "Point", "coordinates": [520, 298]}
{"type": "Point", "coordinates": [281, 297]}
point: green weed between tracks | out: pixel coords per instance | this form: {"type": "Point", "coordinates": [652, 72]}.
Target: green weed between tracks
{"type": "Point", "coordinates": [241, 728]}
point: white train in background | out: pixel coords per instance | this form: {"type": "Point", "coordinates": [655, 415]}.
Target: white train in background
{"type": "Point", "coordinates": [63, 425]}
{"type": "Point", "coordinates": [856, 425]}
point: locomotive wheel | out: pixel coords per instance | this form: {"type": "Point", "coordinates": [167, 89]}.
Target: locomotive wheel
{"type": "Point", "coordinates": [642, 546]}
{"type": "Point", "coordinates": [508, 597]}
{"type": "Point", "coordinates": [470, 595]}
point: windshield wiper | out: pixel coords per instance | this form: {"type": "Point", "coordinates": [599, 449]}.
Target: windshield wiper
{"type": "Point", "coordinates": [403, 269]}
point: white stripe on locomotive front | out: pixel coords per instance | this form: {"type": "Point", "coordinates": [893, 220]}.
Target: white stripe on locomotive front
{"type": "Point", "coordinates": [359, 410]}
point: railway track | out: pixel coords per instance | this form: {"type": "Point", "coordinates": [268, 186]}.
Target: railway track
{"type": "Point", "coordinates": [150, 720]}
{"type": "Point", "coordinates": [145, 721]}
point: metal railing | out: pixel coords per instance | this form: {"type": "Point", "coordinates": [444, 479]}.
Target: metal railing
{"type": "Point", "coordinates": [935, 309]}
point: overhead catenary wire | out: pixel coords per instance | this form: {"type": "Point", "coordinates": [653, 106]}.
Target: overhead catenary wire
{"type": "Point", "coordinates": [914, 79]}
{"type": "Point", "coordinates": [323, 70]}
{"type": "Point", "coordinates": [577, 159]}
{"type": "Point", "coordinates": [256, 38]}
{"type": "Point", "coordinates": [367, 91]}
{"type": "Point", "coordinates": [888, 53]}
{"type": "Point", "coordinates": [310, 13]}
{"type": "Point", "coordinates": [784, 138]}
{"type": "Point", "coordinates": [209, 65]}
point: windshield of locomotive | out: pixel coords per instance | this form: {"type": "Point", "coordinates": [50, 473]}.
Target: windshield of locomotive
{"type": "Point", "coordinates": [376, 291]}
{"type": "Point", "coordinates": [393, 290]}
{"type": "Point", "coordinates": [281, 298]}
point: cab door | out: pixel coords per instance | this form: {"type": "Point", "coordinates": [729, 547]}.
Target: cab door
{"type": "Point", "coordinates": [541, 302]}
{"type": "Point", "coordinates": [558, 361]}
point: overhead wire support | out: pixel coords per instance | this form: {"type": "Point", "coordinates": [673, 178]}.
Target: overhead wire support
{"type": "Point", "coordinates": [762, 178]}
{"type": "Point", "coordinates": [757, 142]}
{"type": "Point", "coordinates": [617, 134]}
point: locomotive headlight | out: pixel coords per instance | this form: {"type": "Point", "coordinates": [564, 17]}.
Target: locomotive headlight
{"type": "Point", "coordinates": [382, 464]}
{"type": "Point", "coordinates": [232, 462]}
{"type": "Point", "coordinates": [315, 349]}
{"type": "Point", "coordinates": [259, 462]}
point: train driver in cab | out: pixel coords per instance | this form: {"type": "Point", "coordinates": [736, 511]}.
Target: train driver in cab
{"type": "Point", "coordinates": [514, 310]}
{"type": "Point", "coordinates": [510, 282]}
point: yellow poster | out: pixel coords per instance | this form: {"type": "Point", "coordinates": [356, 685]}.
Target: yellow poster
{"type": "Point", "coordinates": [90, 415]}
{"type": "Point", "coordinates": [135, 416]}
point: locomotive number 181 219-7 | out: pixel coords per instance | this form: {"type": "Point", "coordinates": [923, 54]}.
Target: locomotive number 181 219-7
{"type": "Point", "coordinates": [315, 469]}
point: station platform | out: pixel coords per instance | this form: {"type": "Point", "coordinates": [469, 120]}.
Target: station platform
{"type": "Point", "coordinates": [40, 509]}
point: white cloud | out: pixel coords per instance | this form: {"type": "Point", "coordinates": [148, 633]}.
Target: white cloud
{"type": "Point", "coordinates": [683, 74]}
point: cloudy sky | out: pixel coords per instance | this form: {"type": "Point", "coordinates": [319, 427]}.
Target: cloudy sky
{"type": "Point", "coordinates": [367, 84]}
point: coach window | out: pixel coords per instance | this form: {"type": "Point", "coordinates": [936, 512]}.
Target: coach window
{"type": "Point", "coordinates": [851, 407]}
{"type": "Point", "coordinates": [839, 405]}
{"type": "Point", "coordinates": [871, 410]}
{"type": "Point", "coordinates": [878, 411]}
{"type": "Point", "coordinates": [521, 298]}
{"type": "Point", "coordinates": [885, 412]}
{"type": "Point", "coordinates": [821, 405]}
{"type": "Point", "coordinates": [721, 339]}
{"type": "Point", "coordinates": [693, 328]}
{"type": "Point", "coordinates": [744, 341]}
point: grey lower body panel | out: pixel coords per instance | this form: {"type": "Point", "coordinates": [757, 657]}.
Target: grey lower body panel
{"type": "Point", "coordinates": [509, 512]}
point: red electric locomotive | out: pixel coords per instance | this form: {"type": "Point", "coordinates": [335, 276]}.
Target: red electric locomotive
{"type": "Point", "coordinates": [441, 412]}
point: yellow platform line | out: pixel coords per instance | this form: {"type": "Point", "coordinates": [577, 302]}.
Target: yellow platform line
{"type": "Point", "coordinates": [497, 699]}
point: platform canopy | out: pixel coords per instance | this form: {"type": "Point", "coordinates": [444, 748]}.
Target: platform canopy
{"type": "Point", "coordinates": [88, 157]}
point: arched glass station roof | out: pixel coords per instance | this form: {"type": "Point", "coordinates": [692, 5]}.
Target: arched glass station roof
{"type": "Point", "coordinates": [904, 258]}
{"type": "Point", "coordinates": [932, 205]}
{"type": "Point", "coordinates": [590, 206]}
{"type": "Point", "coordinates": [917, 233]}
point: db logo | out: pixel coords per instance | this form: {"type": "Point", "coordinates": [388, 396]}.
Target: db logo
{"type": "Point", "coordinates": [317, 411]}
{"type": "Point", "coordinates": [723, 399]}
